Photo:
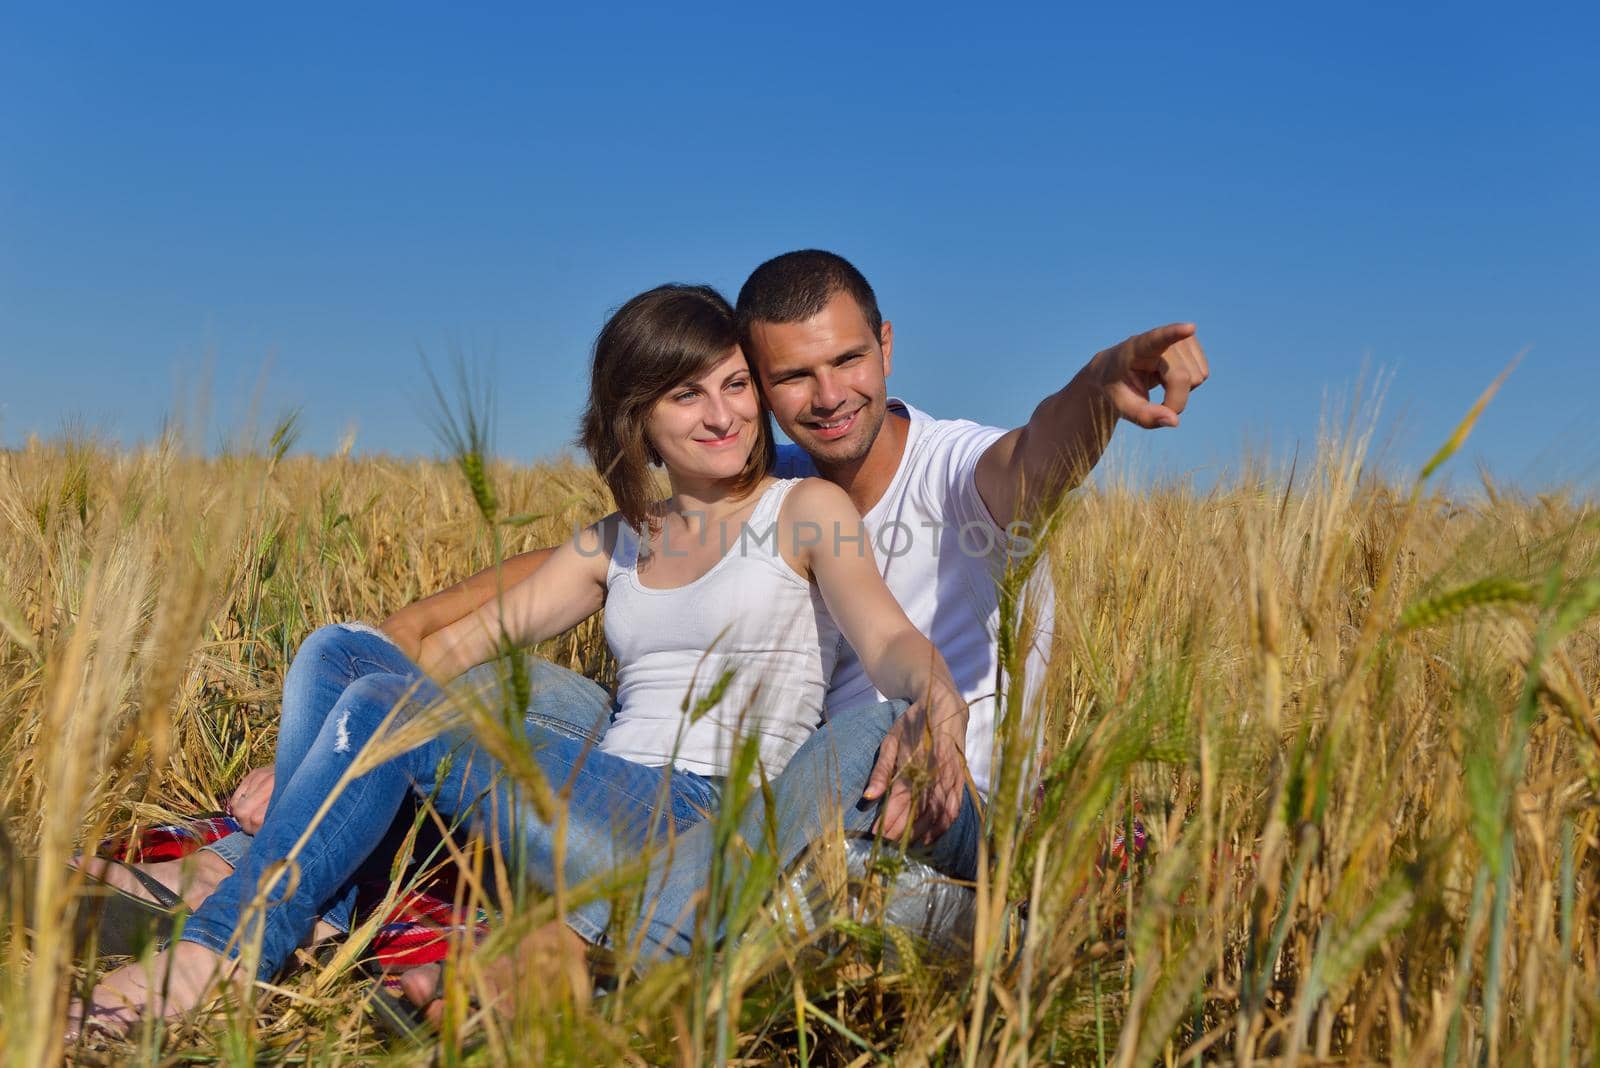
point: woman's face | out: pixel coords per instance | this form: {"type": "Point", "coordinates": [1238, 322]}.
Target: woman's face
{"type": "Point", "coordinates": [706, 428]}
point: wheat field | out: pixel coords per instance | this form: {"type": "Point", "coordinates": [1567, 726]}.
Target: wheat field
{"type": "Point", "coordinates": [1355, 717]}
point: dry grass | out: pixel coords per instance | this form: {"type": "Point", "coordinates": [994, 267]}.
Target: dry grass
{"type": "Point", "coordinates": [1357, 720]}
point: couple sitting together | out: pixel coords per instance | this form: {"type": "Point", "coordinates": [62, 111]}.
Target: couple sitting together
{"type": "Point", "coordinates": [835, 601]}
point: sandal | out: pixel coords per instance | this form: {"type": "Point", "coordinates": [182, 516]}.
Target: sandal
{"type": "Point", "coordinates": [121, 924]}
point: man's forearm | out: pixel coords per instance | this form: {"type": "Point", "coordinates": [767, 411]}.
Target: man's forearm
{"type": "Point", "coordinates": [1023, 473]}
{"type": "Point", "coordinates": [1064, 439]}
{"type": "Point", "coordinates": [416, 621]}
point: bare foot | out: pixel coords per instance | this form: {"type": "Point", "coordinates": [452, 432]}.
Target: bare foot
{"type": "Point", "coordinates": [542, 960]}
{"type": "Point", "coordinates": [174, 982]}
{"type": "Point", "coordinates": [193, 877]}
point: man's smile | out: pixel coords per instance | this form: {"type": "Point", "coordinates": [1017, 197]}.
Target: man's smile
{"type": "Point", "coordinates": [837, 427]}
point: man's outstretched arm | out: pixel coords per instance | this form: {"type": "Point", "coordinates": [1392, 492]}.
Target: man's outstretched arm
{"type": "Point", "coordinates": [1027, 469]}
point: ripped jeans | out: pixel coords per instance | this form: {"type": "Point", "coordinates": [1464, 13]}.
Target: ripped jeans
{"type": "Point", "coordinates": [333, 657]}
{"type": "Point", "coordinates": [343, 685]}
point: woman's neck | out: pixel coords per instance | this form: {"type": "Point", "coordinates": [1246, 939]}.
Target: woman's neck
{"type": "Point", "coordinates": [711, 499]}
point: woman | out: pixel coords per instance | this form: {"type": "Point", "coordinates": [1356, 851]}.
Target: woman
{"type": "Point", "coordinates": [726, 606]}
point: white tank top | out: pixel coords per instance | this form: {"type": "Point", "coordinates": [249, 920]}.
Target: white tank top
{"type": "Point", "coordinates": [751, 625]}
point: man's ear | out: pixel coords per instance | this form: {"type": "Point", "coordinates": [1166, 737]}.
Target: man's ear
{"type": "Point", "coordinates": [886, 342]}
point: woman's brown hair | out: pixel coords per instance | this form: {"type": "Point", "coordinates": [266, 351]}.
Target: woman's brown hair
{"type": "Point", "coordinates": [657, 341]}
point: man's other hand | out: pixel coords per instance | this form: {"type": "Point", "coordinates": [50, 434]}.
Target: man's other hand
{"type": "Point", "coordinates": [1169, 356]}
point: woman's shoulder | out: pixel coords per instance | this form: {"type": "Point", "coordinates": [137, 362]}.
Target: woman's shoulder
{"type": "Point", "coordinates": [813, 494]}
{"type": "Point", "coordinates": [816, 500]}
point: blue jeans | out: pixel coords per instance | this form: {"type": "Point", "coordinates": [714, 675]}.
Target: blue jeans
{"type": "Point", "coordinates": [333, 657]}
{"type": "Point", "coordinates": [613, 809]}
{"type": "Point", "coordinates": [819, 790]}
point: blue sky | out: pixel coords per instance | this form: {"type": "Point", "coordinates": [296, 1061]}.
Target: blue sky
{"type": "Point", "coordinates": [303, 197]}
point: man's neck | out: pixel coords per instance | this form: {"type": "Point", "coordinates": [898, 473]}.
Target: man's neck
{"type": "Point", "coordinates": [867, 479]}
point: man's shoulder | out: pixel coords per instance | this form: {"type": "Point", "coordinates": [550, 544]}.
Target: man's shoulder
{"type": "Point", "coordinates": [947, 436]}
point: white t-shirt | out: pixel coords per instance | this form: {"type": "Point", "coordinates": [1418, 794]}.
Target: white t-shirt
{"type": "Point", "coordinates": [941, 554]}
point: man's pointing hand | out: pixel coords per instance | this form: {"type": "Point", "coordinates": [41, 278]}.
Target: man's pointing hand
{"type": "Point", "coordinates": [1169, 356]}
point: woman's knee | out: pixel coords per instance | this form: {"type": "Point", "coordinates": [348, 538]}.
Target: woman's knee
{"type": "Point", "coordinates": [343, 645]}
{"type": "Point", "coordinates": [331, 657]}
{"type": "Point", "coordinates": [325, 650]}
{"type": "Point", "coordinates": [331, 640]}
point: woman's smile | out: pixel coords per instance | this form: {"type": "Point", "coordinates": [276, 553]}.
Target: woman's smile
{"type": "Point", "coordinates": [721, 443]}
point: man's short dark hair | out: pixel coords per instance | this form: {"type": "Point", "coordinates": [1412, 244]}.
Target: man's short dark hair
{"type": "Point", "coordinates": [793, 287]}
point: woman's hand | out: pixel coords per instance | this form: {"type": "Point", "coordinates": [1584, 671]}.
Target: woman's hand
{"type": "Point", "coordinates": [248, 804]}
{"type": "Point", "coordinates": [922, 766]}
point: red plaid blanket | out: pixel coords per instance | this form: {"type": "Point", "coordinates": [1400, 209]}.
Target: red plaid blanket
{"type": "Point", "coordinates": [417, 930]}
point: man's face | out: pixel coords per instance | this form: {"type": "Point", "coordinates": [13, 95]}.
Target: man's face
{"type": "Point", "coordinates": [824, 379]}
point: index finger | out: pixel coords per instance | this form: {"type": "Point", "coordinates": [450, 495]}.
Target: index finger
{"type": "Point", "coordinates": [1152, 343]}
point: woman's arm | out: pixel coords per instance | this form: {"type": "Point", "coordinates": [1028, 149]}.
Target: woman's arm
{"type": "Point", "coordinates": [567, 588]}
{"type": "Point", "coordinates": [898, 658]}
{"type": "Point", "coordinates": [419, 619]}
{"type": "Point", "coordinates": [409, 628]}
